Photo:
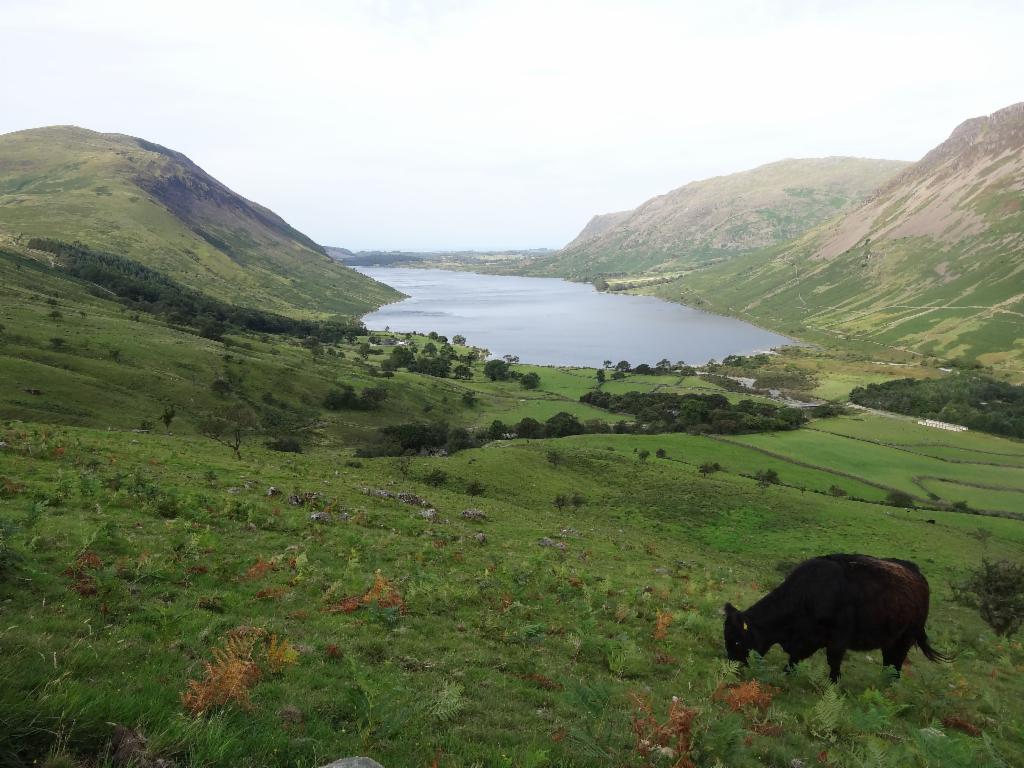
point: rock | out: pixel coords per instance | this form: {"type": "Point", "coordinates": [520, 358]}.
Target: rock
{"type": "Point", "coordinates": [320, 517]}
{"type": "Point", "coordinates": [128, 748]}
{"type": "Point", "coordinates": [572, 533]}
{"type": "Point", "coordinates": [474, 514]}
{"type": "Point", "coordinates": [480, 537]}
{"type": "Point", "coordinates": [295, 500]}
{"type": "Point", "coordinates": [344, 517]}
{"type": "Point", "coordinates": [354, 762]}
{"type": "Point", "coordinates": [273, 491]}
{"type": "Point", "coordinates": [661, 571]}
{"type": "Point", "coordinates": [411, 498]}
{"type": "Point", "coordinates": [378, 493]}
{"type": "Point", "coordinates": [430, 515]}
{"type": "Point", "coordinates": [234, 491]}
{"type": "Point", "coordinates": [796, 762]}
{"type": "Point", "coordinates": [546, 542]}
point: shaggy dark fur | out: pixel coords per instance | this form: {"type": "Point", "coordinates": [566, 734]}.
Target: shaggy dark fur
{"type": "Point", "coordinates": [839, 603]}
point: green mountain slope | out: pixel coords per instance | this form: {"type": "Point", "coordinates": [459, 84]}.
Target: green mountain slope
{"type": "Point", "coordinates": [149, 203]}
{"type": "Point", "coordinates": [720, 217]}
{"type": "Point", "coordinates": [933, 262]}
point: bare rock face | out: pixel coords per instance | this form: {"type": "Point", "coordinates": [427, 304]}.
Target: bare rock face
{"type": "Point", "coordinates": [354, 762]}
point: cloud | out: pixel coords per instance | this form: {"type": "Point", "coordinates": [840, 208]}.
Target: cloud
{"type": "Point", "coordinates": [487, 124]}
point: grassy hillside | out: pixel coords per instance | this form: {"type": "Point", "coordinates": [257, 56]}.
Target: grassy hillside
{"type": "Point", "coordinates": [132, 557]}
{"type": "Point", "coordinates": [140, 200]}
{"type": "Point", "coordinates": [719, 218]}
{"type": "Point", "coordinates": [932, 263]}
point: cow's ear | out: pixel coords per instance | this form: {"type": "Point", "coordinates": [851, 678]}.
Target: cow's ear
{"type": "Point", "coordinates": [729, 611]}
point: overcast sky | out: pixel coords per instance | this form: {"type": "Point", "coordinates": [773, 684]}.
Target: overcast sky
{"type": "Point", "coordinates": [427, 125]}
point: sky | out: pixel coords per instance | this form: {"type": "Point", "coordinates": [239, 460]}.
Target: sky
{"type": "Point", "coordinates": [493, 124]}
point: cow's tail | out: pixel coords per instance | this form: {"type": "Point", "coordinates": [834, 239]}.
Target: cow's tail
{"type": "Point", "coordinates": [930, 653]}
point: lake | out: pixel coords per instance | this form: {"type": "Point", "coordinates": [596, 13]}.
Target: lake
{"type": "Point", "coordinates": [549, 321]}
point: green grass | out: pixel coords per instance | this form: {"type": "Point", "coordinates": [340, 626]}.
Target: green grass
{"type": "Point", "coordinates": [505, 648]}
{"type": "Point", "coordinates": [508, 653]}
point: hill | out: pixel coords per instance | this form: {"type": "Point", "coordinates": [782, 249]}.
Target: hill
{"type": "Point", "coordinates": [720, 217]}
{"type": "Point", "coordinates": [149, 203]}
{"type": "Point", "coordinates": [932, 262]}
{"type": "Point", "coordinates": [553, 589]}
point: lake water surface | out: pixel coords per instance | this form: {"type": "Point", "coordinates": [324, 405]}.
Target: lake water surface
{"type": "Point", "coordinates": [548, 321]}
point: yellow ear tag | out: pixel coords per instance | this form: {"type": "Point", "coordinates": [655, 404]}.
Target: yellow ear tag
{"type": "Point", "coordinates": [745, 626]}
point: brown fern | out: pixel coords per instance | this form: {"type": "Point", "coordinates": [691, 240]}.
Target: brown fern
{"type": "Point", "coordinates": [280, 655]}
{"type": "Point", "coordinates": [671, 739]}
{"type": "Point", "coordinates": [227, 680]}
{"type": "Point", "coordinates": [661, 624]}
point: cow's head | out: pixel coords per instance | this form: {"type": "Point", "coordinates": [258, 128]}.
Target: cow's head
{"type": "Point", "coordinates": [738, 635]}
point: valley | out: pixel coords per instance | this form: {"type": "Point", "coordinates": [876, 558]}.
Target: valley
{"type": "Point", "coordinates": [263, 509]}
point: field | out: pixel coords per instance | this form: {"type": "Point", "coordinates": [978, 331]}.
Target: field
{"type": "Point", "coordinates": [141, 553]}
{"type": "Point", "coordinates": [286, 609]}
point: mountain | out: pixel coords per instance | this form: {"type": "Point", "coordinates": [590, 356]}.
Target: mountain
{"type": "Point", "coordinates": [933, 261]}
{"type": "Point", "coordinates": [154, 205]}
{"type": "Point", "coordinates": [597, 226]}
{"type": "Point", "coordinates": [720, 217]}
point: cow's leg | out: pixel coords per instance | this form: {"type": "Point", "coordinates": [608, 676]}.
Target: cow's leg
{"type": "Point", "coordinates": [896, 654]}
{"type": "Point", "coordinates": [834, 654]}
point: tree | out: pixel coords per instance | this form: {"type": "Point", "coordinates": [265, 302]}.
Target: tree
{"type": "Point", "coordinates": [510, 359]}
{"type": "Point", "coordinates": [600, 376]}
{"type": "Point", "coordinates": [230, 426]}
{"type": "Point", "coordinates": [529, 428]}
{"type": "Point", "coordinates": [459, 339]}
{"type": "Point", "coordinates": [996, 589]}
{"type": "Point", "coordinates": [710, 467]}
{"type": "Point", "coordinates": [835, 490]}
{"type": "Point", "coordinates": [766, 477]}
{"type": "Point", "coordinates": [606, 364]}
{"type": "Point", "coordinates": [469, 399]}
{"type": "Point", "coordinates": [462, 371]}
{"type": "Point", "coordinates": [496, 370]}
{"type": "Point", "coordinates": [168, 416]}
{"type": "Point", "coordinates": [342, 396]}
{"type": "Point", "coordinates": [563, 424]}
{"type": "Point", "coordinates": [622, 365]}
{"type": "Point", "coordinates": [530, 380]}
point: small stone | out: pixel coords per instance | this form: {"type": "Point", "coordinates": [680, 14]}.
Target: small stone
{"type": "Point", "coordinates": [480, 537]}
{"type": "Point", "coordinates": [296, 500]}
{"type": "Point", "coordinates": [290, 715]}
{"type": "Point", "coordinates": [234, 490]}
{"type": "Point", "coordinates": [320, 517]}
{"type": "Point", "coordinates": [354, 762]}
{"type": "Point", "coordinates": [474, 514]}
{"type": "Point", "coordinates": [273, 491]}
{"type": "Point", "coordinates": [661, 571]}
{"type": "Point", "coordinates": [344, 517]}
{"type": "Point", "coordinates": [430, 515]}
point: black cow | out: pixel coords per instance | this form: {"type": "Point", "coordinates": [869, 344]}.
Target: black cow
{"type": "Point", "coordinates": [839, 603]}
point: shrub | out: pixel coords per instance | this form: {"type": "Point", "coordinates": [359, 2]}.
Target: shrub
{"type": "Point", "coordinates": [899, 499]}
{"type": "Point", "coordinates": [285, 445]}
{"type": "Point", "coordinates": [996, 589]}
{"type": "Point", "coordinates": [710, 467]}
{"type": "Point", "coordinates": [529, 380]}
{"type": "Point", "coordinates": [436, 477]}
{"type": "Point", "coordinates": [766, 477]}
{"type": "Point", "coordinates": [835, 490]}
{"type": "Point", "coordinates": [475, 488]}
